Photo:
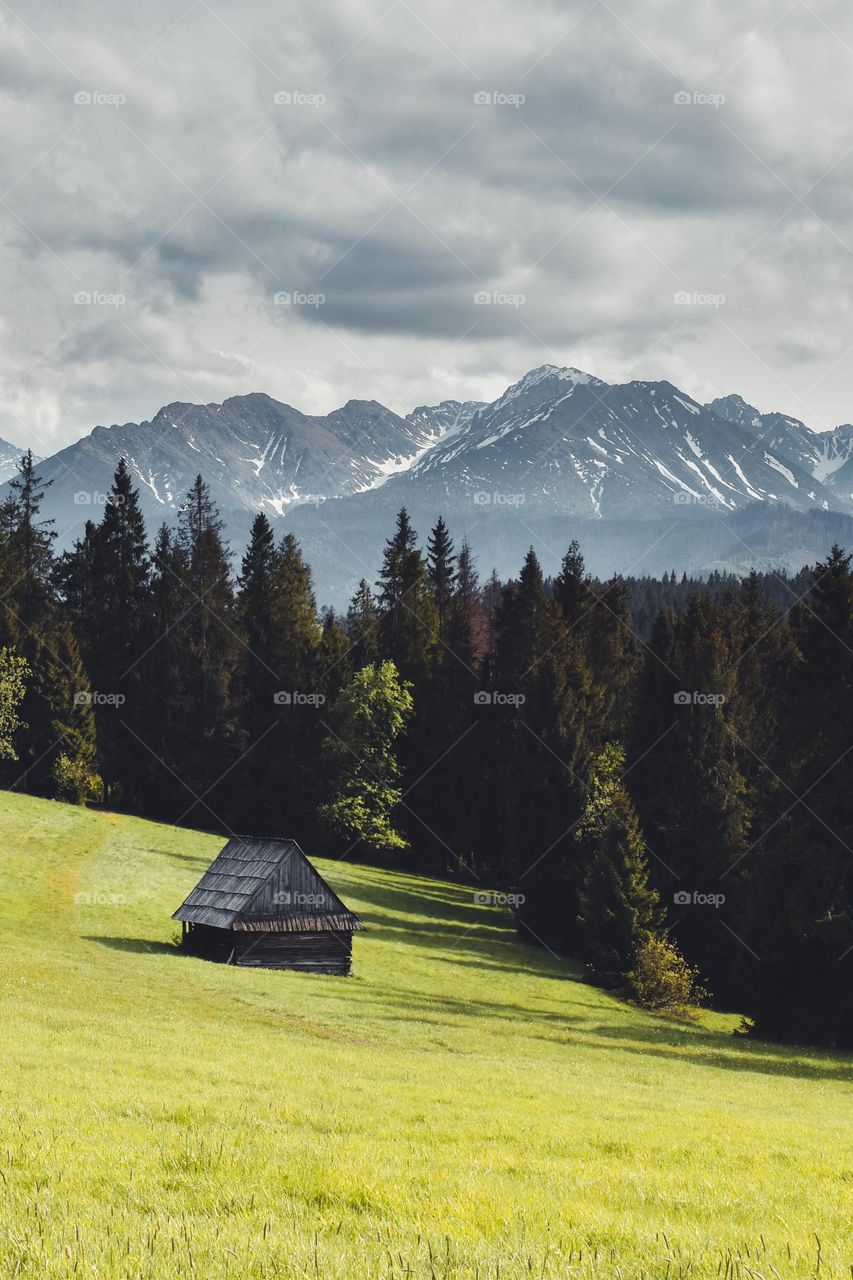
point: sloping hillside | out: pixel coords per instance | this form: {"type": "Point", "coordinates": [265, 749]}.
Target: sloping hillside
{"type": "Point", "coordinates": [461, 1106]}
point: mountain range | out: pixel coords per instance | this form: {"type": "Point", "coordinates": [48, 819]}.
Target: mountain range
{"type": "Point", "coordinates": [646, 477]}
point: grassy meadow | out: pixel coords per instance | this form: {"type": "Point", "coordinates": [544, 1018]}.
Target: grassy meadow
{"type": "Point", "coordinates": [462, 1106]}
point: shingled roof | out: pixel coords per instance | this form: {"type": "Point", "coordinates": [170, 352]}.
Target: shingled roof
{"type": "Point", "coordinates": [266, 885]}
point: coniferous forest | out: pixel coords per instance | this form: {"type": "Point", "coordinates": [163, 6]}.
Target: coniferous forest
{"type": "Point", "coordinates": [656, 775]}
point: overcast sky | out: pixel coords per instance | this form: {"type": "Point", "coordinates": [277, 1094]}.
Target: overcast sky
{"type": "Point", "coordinates": [181, 165]}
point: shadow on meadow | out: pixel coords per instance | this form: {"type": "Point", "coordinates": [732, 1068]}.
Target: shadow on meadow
{"type": "Point", "coordinates": [136, 945]}
{"type": "Point", "coordinates": [444, 922]}
{"type": "Point", "coordinates": [660, 1039]}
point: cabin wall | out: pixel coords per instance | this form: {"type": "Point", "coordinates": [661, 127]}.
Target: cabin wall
{"type": "Point", "coordinates": [294, 888]}
{"type": "Point", "coordinates": [308, 952]}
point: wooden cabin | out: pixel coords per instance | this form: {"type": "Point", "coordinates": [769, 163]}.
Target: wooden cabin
{"type": "Point", "coordinates": [261, 903]}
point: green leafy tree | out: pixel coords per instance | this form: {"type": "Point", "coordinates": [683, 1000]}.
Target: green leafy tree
{"type": "Point", "coordinates": [365, 721]}
{"type": "Point", "coordinates": [619, 909]}
{"type": "Point", "coordinates": [13, 675]}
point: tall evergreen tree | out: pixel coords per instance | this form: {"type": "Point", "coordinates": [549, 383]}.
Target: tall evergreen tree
{"type": "Point", "coordinates": [442, 573]}
{"type": "Point", "coordinates": [409, 620]}
{"type": "Point", "coordinates": [31, 544]}
{"type": "Point", "coordinates": [115, 634]}
{"type": "Point", "coordinates": [362, 626]}
{"type": "Point", "coordinates": [803, 868]}
{"type": "Point", "coordinates": [208, 645]}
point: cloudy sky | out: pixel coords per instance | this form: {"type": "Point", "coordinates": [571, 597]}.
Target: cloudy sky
{"type": "Point", "coordinates": [413, 201]}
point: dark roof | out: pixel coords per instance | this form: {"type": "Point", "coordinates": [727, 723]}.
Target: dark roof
{"type": "Point", "coordinates": [266, 885]}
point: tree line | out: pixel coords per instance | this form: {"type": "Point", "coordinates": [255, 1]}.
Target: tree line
{"type": "Point", "coordinates": [658, 772]}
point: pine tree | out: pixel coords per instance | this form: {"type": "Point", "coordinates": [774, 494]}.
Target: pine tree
{"type": "Point", "coordinates": [256, 592]}
{"type": "Point", "coordinates": [803, 872]}
{"type": "Point", "coordinates": [468, 620]}
{"type": "Point", "coordinates": [31, 544]}
{"type": "Point", "coordinates": [537, 749]}
{"type": "Point", "coordinates": [572, 592]}
{"type": "Point", "coordinates": [409, 621]}
{"type": "Point", "coordinates": [208, 646]}
{"type": "Point", "coordinates": [163, 737]}
{"type": "Point", "coordinates": [362, 624]}
{"type": "Point", "coordinates": [442, 572]}
{"type": "Point", "coordinates": [298, 702]}
{"type": "Point", "coordinates": [116, 635]}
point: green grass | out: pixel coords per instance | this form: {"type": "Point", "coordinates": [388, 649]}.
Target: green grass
{"type": "Point", "coordinates": [462, 1106]}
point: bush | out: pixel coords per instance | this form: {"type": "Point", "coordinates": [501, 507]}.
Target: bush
{"type": "Point", "coordinates": [76, 782]}
{"type": "Point", "coordinates": [662, 978]}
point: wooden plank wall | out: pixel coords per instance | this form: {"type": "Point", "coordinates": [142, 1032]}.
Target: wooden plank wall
{"type": "Point", "coordinates": [309, 952]}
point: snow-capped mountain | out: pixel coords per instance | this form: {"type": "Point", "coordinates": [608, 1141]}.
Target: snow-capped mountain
{"type": "Point", "coordinates": [827, 455]}
{"type": "Point", "coordinates": [255, 453]}
{"type": "Point", "coordinates": [10, 455]}
{"type": "Point", "coordinates": [647, 477]}
{"type": "Point", "coordinates": [565, 441]}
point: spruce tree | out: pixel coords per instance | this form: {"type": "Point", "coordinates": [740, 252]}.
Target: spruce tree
{"type": "Point", "coordinates": [802, 870]}
{"type": "Point", "coordinates": [409, 619]}
{"type": "Point", "coordinates": [31, 544]}
{"type": "Point", "coordinates": [116, 635]}
{"type": "Point", "coordinates": [208, 645]}
{"type": "Point", "coordinates": [442, 572]}
{"type": "Point", "coordinates": [362, 625]}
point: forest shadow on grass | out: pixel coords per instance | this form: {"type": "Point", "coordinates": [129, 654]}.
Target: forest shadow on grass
{"type": "Point", "coordinates": [659, 1038]}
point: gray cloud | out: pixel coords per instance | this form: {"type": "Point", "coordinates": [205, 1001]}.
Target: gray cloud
{"type": "Point", "coordinates": [184, 189]}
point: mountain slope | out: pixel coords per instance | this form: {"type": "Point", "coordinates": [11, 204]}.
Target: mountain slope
{"type": "Point", "coordinates": [564, 441]}
{"type": "Point", "coordinates": [827, 456]}
{"type": "Point", "coordinates": [559, 452]}
{"type": "Point", "coordinates": [256, 454]}
{"type": "Point", "coordinates": [10, 456]}
{"type": "Point", "coordinates": [177, 1118]}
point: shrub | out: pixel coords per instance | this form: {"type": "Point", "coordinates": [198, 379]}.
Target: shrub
{"type": "Point", "coordinates": [76, 781]}
{"type": "Point", "coordinates": [662, 978]}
